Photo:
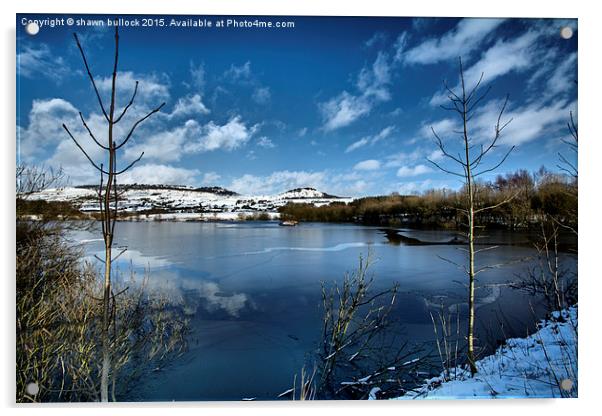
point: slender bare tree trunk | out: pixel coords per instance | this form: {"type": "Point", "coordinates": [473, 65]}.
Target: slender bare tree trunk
{"type": "Point", "coordinates": [108, 238]}
{"type": "Point", "coordinates": [464, 103]}
{"type": "Point", "coordinates": [105, 193]}
{"type": "Point", "coordinates": [106, 355]}
{"type": "Point", "coordinates": [471, 252]}
{"type": "Point", "coordinates": [471, 278]}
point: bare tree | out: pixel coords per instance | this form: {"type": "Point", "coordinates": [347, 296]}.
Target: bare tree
{"type": "Point", "coordinates": [470, 160]}
{"type": "Point", "coordinates": [31, 179]}
{"type": "Point", "coordinates": [361, 348]}
{"type": "Point", "coordinates": [107, 194]}
{"type": "Point", "coordinates": [572, 143]}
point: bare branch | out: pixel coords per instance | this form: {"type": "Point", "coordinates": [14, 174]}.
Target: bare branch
{"type": "Point", "coordinates": [81, 50]}
{"type": "Point", "coordinates": [128, 105]}
{"type": "Point", "coordinates": [129, 135]}
{"type": "Point", "coordinates": [497, 165]}
{"type": "Point", "coordinates": [454, 96]}
{"type": "Point", "coordinates": [90, 132]}
{"type": "Point", "coordinates": [573, 127]}
{"type": "Point", "coordinates": [505, 201]}
{"type": "Point", "coordinates": [83, 151]}
{"type": "Point", "coordinates": [100, 260]}
{"type": "Point", "coordinates": [459, 266]}
{"type": "Point", "coordinates": [119, 255]}
{"type": "Point", "coordinates": [486, 249]}
{"type": "Point", "coordinates": [443, 169]}
{"type": "Point", "coordinates": [478, 100]}
{"type": "Point", "coordinates": [476, 87]}
{"type": "Point", "coordinates": [443, 150]}
{"type": "Point", "coordinates": [498, 130]}
{"type": "Point", "coordinates": [130, 165]}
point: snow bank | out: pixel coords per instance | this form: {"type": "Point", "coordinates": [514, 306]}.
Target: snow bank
{"type": "Point", "coordinates": [543, 365]}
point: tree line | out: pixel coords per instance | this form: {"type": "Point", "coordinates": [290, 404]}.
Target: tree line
{"type": "Point", "coordinates": [528, 196]}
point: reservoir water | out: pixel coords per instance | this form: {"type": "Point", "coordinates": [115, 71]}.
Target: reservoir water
{"type": "Point", "coordinates": [252, 291]}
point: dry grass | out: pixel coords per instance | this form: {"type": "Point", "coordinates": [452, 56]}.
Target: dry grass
{"type": "Point", "coordinates": [58, 323]}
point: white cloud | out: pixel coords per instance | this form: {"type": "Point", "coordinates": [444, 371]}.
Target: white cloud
{"type": "Point", "coordinates": [468, 34]}
{"type": "Point", "coordinates": [189, 105]}
{"type": "Point", "coordinates": [400, 46]}
{"type": "Point", "coordinates": [373, 81]}
{"type": "Point", "coordinates": [357, 144]}
{"type": "Point", "coordinates": [356, 188]}
{"type": "Point", "coordinates": [45, 119]}
{"type": "Point", "coordinates": [229, 136]}
{"type": "Point", "coordinates": [277, 182]}
{"type": "Point", "coordinates": [383, 134]}
{"type": "Point", "coordinates": [406, 171]}
{"type": "Point", "coordinates": [444, 127]}
{"type": "Point", "coordinates": [262, 95]}
{"type": "Point", "coordinates": [350, 183]}
{"type": "Point", "coordinates": [152, 91]}
{"type": "Point", "coordinates": [238, 73]}
{"type": "Point", "coordinates": [563, 78]}
{"type": "Point", "coordinates": [529, 122]}
{"type": "Point", "coordinates": [414, 188]}
{"type": "Point", "coordinates": [166, 145]}
{"type": "Point", "coordinates": [343, 110]}
{"type": "Point", "coordinates": [550, 63]}
{"type": "Point", "coordinates": [76, 167]}
{"type": "Point", "coordinates": [40, 61]}
{"type": "Point", "coordinates": [376, 39]}
{"type": "Point", "coordinates": [505, 56]}
{"type": "Point", "coordinates": [265, 143]}
{"type": "Point", "coordinates": [45, 142]}
{"type": "Point", "coordinates": [197, 74]}
{"type": "Point", "coordinates": [160, 174]}
{"type": "Point", "coordinates": [370, 164]}
{"type": "Point", "coordinates": [302, 132]}
{"type": "Point", "coordinates": [422, 23]}
{"type": "Point", "coordinates": [436, 155]}
{"type": "Point", "coordinates": [402, 158]}
{"type": "Point", "coordinates": [373, 87]}
{"type": "Point", "coordinates": [210, 178]}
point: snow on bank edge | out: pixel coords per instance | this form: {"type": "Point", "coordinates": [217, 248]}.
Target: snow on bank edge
{"type": "Point", "coordinates": [531, 367]}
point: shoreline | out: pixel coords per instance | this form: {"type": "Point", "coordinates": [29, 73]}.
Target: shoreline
{"type": "Point", "coordinates": [540, 365]}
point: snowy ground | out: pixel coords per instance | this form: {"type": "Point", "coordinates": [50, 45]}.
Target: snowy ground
{"type": "Point", "coordinates": [184, 201]}
{"type": "Point", "coordinates": [542, 365]}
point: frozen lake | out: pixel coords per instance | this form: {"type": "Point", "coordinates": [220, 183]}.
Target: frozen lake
{"type": "Point", "coordinates": [253, 293]}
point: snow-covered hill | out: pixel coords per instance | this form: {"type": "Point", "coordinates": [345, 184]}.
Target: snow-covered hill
{"type": "Point", "coordinates": [304, 193]}
{"type": "Point", "coordinates": [180, 199]}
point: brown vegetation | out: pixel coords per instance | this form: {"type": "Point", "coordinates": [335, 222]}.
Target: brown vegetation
{"type": "Point", "coordinates": [534, 195]}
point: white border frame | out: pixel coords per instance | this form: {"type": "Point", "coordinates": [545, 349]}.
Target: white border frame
{"type": "Point", "coordinates": [590, 22]}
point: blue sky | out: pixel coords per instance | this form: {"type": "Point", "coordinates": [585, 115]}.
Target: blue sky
{"type": "Point", "coordinates": [341, 104]}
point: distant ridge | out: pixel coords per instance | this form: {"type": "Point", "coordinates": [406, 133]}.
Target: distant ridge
{"type": "Point", "coordinates": [209, 201]}
{"type": "Point", "coordinates": [143, 187]}
{"type": "Point", "coordinates": [307, 192]}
